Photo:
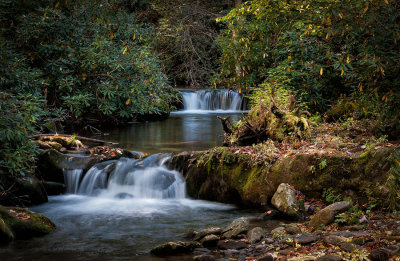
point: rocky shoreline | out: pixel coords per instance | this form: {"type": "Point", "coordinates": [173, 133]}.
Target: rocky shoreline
{"type": "Point", "coordinates": [320, 237]}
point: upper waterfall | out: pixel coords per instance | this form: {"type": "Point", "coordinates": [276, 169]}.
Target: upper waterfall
{"type": "Point", "coordinates": [212, 100]}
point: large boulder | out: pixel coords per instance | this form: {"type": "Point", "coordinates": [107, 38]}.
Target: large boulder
{"type": "Point", "coordinates": [23, 223]}
{"type": "Point", "coordinates": [327, 215]}
{"type": "Point", "coordinates": [286, 201]}
{"type": "Point", "coordinates": [237, 227]}
{"type": "Point", "coordinates": [174, 248]}
{"type": "Point", "coordinates": [30, 187]}
{"type": "Point", "coordinates": [206, 232]}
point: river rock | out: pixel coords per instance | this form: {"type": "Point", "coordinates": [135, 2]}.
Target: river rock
{"type": "Point", "coordinates": [174, 248]}
{"type": "Point", "coordinates": [33, 188]}
{"type": "Point", "coordinates": [329, 258]}
{"type": "Point", "coordinates": [207, 231]}
{"type": "Point", "coordinates": [123, 195]}
{"type": "Point", "coordinates": [54, 188]}
{"type": "Point", "coordinates": [255, 235]}
{"type": "Point", "coordinates": [25, 224]}
{"type": "Point", "coordinates": [266, 258]}
{"type": "Point", "coordinates": [204, 258]}
{"type": "Point", "coordinates": [237, 227]}
{"type": "Point", "coordinates": [396, 231]}
{"type": "Point", "coordinates": [231, 244]}
{"type": "Point", "coordinates": [379, 254]}
{"type": "Point", "coordinates": [334, 240]}
{"type": "Point", "coordinates": [327, 215]}
{"type": "Point", "coordinates": [292, 229]}
{"type": "Point", "coordinates": [349, 247]}
{"type": "Point", "coordinates": [209, 240]}
{"type": "Point", "coordinates": [305, 238]}
{"type": "Point", "coordinates": [201, 251]}
{"type": "Point", "coordinates": [285, 201]}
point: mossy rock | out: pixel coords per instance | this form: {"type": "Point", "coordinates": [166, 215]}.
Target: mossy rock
{"type": "Point", "coordinates": [25, 224]}
{"type": "Point", "coordinates": [221, 175]}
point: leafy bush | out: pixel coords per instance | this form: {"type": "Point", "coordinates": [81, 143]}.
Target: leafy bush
{"type": "Point", "coordinates": [88, 57]}
{"type": "Point", "coordinates": [19, 117]}
{"type": "Point", "coordinates": [320, 51]}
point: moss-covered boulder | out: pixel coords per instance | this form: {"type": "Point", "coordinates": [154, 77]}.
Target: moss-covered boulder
{"type": "Point", "coordinates": [223, 175]}
{"type": "Point", "coordinates": [23, 223]}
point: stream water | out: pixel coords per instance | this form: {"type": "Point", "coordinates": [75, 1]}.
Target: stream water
{"type": "Point", "coordinates": [119, 210]}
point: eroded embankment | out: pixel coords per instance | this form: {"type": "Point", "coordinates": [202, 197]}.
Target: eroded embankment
{"type": "Point", "coordinates": [230, 176]}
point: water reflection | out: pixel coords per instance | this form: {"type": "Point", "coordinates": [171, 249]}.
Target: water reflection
{"type": "Point", "coordinates": [182, 131]}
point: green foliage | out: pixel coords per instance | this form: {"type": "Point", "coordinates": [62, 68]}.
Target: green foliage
{"type": "Point", "coordinates": [19, 116]}
{"type": "Point", "coordinates": [319, 51]}
{"type": "Point", "coordinates": [393, 182]}
{"type": "Point", "coordinates": [331, 196]}
{"type": "Point", "coordinates": [88, 57]}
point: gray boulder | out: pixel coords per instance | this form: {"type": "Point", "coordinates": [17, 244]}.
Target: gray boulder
{"type": "Point", "coordinates": [327, 215]}
{"type": "Point", "coordinates": [207, 231]}
{"type": "Point", "coordinates": [232, 244]}
{"type": "Point", "coordinates": [286, 202]}
{"type": "Point", "coordinates": [174, 248]}
{"type": "Point", "coordinates": [255, 235]}
{"type": "Point", "coordinates": [209, 240]}
{"type": "Point", "coordinates": [237, 227]}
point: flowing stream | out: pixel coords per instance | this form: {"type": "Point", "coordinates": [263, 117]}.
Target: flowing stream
{"type": "Point", "coordinates": [120, 209]}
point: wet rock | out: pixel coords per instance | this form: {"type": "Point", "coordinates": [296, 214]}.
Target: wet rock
{"type": "Point", "coordinates": [329, 258]}
{"type": "Point", "coordinates": [209, 240]}
{"type": "Point", "coordinates": [201, 251]}
{"type": "Point", "coordinates": [237, 227]}
{"type": "Point", "coordinates": [286, 202]}
{"type": "Point", "coordinates": [334, 240]}
{"type": "Point", "coordinates": [123, 195]}
{"type": "Point", "coordinates": [33, 188]}
{"type": "Point", "coordinates": [204, 258]}
{"type": "Point", "coordinates": [266, 258]}
{"type": "Point", "coordinates": [231, 244]}
{"type": "Point", "coordinates": [292, 229]}
{"type": "Point", "coordinates": [268, 240]}
{"type": "Point", "coordinates": [54, 188]}
{"type": "Point", "coordinates": [379, 254]}
{"type": "Point", "coordinates": [351, 234]}
{"type": "Point", "coordinates": [25, 224]}
{"type": "Point", "coordinates": [207, 231]}
{"type": "Point", "coordinates": [174, 248]}
{"type": "Point", "coordinates": [231, 252]}
{"type": "Point", "coordinates": [190, 234]}
{"type": "Point", "coordinates": [277, 230]}
{"type": "Point", "coordinates": [305, 238]}
{"type": "Point", "coordinates": [255, 235]}
{"type": "Point", "coordinates": [327, 215]}
{"type": "Point", "coordinates": [5, 233]}
{"type": "Point", "coordinates": [349, 247]}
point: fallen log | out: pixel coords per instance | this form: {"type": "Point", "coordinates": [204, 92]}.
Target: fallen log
{"type": "Point", "coordinates": [102, 142]}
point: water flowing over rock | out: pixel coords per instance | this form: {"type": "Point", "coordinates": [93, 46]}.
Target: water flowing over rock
{"type": "Point", "coordinates": [212, 100]}
{"type": "Point", "coordinates": [128, 178]}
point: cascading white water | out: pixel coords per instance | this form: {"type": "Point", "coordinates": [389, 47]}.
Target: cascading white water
{"type": "Point", "coordinates": [72, 179]}
{"type": "Point", "coordinates": [212, 100]}
{"type": "Point", "coordinates": [131, 178]}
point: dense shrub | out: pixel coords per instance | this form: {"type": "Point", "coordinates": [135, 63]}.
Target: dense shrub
{"type": "Point", "coordinates": [318, 50]}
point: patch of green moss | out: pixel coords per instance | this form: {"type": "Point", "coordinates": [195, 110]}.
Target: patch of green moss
{"type": "Point", "coordinates": [24, 223]}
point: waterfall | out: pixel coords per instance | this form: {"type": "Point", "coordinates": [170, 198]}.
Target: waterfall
{"type": "Point", "coordinates": [212, 100]}
{"type": "Point", "coordinates": [72, 179]}
{"type": "Point", "coordinates": [130, 178]}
